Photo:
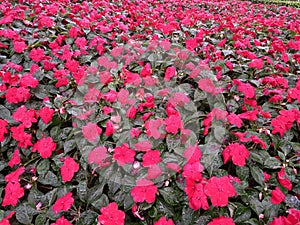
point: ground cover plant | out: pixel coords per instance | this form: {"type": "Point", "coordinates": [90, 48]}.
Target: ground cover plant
{"type": "Point", "coordinates": [149, 112]}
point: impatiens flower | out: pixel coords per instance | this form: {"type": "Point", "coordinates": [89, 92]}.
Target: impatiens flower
{"type": "Point", "coordinates": [19, 46]}
{"type": "Point", "coordinates": [283, 179]}
{"type": "Point", "coordinates": [197, 198]}
{"type": "Point", "coordinates": [154, 128]}
{"type": "Point", "coordinates": [235, 120]}
{"type": "Point", "coordinates": [61, 221]}
{"type": "Point", "coordinates": [163, 221]}
{"type": "Point", "coordinates": [193, 170]}
{"type": "Point", "coordinates": [208, 86]}
{"type": "Point", "coordinates": [13, 177]}
{"type": "Point", "coordinates": [154, 171]}
{"type": "Point", "coordinates": [247, 89]}
{"type": "Point", "coordinates": [15, 159]}
{"type": "Point", "coordinates": [151, 158]}
{"type": "Point", "coordinates": [46, 114]}
{"type": "Point", "coordinates": [219, 190]}
{"type": "Point", "coordinates": [277, 196]}
{"type": "Point", "coordinates": [144, 190]}
{"type": "Point", "coordinates": [69, 168]}
{"type": "Point", "coordinates": [111, 215]}
{"type": "Point", "coordinates": [45, 147]}
{"type": "Point", "coordinates": [143, 146]}
{"type": "Point", "coordinates": [221, 221]}
{"type": "Point", "coordinates": [91, 131]}
{"type": "Point", "coordinates": [109, 128]}
{"type": "Point", "coordinates": [123, 154]}
{"type": "Point", "coordinates": [23, 138]}
{"type": "Point", "coordinates": [13, 191]}
{"type": "Point", "coordinates": [17, 95]}
{"type": "Point", "coordinates": [63, 203]}
{"type": "Point", "coordinates": [173, 124]}
{"type": "Point", "coordinates": [237, 152]}
{"type": "Point", "coordinates": [28, 80]}
{"type": "Point", "coordinates": [37, 54]}
{"type": "Point", "coordinates": [5, 220]}
{"type": "Point", "coordinates": [170, 72]}
{"type": "Point", "coordinates": [256, 63]}
{"type": "Point", "coordinates": [99, 156]}
{"type": "Point", "coordinates": [3, 129]}
{"type": "Point", "coordinates": [25, 116]}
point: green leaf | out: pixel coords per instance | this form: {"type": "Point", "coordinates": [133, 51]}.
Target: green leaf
{"type": "Point", "coordinates": [101, 202]}
{"type": "Point", "coordinates": [258, 175]}
{"type": "Point", "coordinates": [94, 193]}
{"type": "Point", "coordinates": [272, 163]}
{"type": "Point", "coordinates": [43, 167]}
{"type": "Point", "coordinates": [88, 217]}
{"type": "Point", "coordinates": [242, 172]}
{"type": "Point", "coordinates": [25, 213]}
{"type": "Point", "coordinates": [40, 219]}
{"type": "Point", "coordinates": [241, 214]}
{"type": "Point", "coordinates": [170, 195]}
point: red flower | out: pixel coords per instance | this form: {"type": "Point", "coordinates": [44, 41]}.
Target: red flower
{"type": "Point", "coordinates": [19, 46]}
{"type": "Point", "coordinates": [283, 180]}
{"type": "Point", "coordinates": [5, 220]}
{"type": "Point", "coordinates": [15, 159]}
{"type": "Point", "coordinates": [19, 134]}
{"type": "Point", "coordinates": [3, 129]}
{"type": "Point", "coordinates": [197, 198]}
{"type": "Point", "coordinates": [170, 72]}
{"type": "Point", "coordinates": [221, 221]}
{"type": "Point", "coordinates": [154, 172]}
{"type": "Point", "coordinates": [13, 192]}
{"type": "Point", "coordinates": [28, 80]}
{"type": "Point", "coordinates": [99, 156]}
{"type": "Point", "coordinates": [61, 221]}
{"type": "Point", "coordinates": [143, 146]}
{"type": "Point", "coordinates": [91, 131]}
{"type": "Point", "coordinates": [151, 158]}
{"type": "Point", "coordinates": [25, 116]}
{"type": "Point", "coordinates": [46, 114]}
{"type": "Point", "coordinates": [256, 63]}
{"type": "Point", "coordinates": [69, 168]}
{"type": "Point", "coordinates": [193, 171]}
{"type": "Point", "coordinates": [123, 154]}
{"type": "Point", "coordinates": [247, 89]}
{"type": "Point", "coordinates": [164, 221]}
{"type": "Point", "coordinates": [208, 86]}
{"type": "Point", "coordinates": [237, 152]}
{"type": "Point", "coordinates": [45, 147]}
{"type": "Point", "coordinates": [110, 215]}
{"type": "Point", "coordinates": [63, 203]}
{"type": "Point", "coordinates": [144, 190]}
{"type": "Point", "coordinates": [13, 177]}
{"type": "Point", "coordinates": [146, 71]}
{"type": "Point", "coordinates": [109, 128]}
{"type": "Point", "coordinates": [219, 189]}
{"type": "Point", "coordinates": [153, 128]}
{"type": "Point", "coordinates": [37, 54]}
{"type": "Point", "coordinates": [235, 120]}
{"type": "Point", "coordinates": [277, 196]}
{"type": "Point", "coordinates": [173, 123]}
{"type": "Point", "coordinates": [17, 95]}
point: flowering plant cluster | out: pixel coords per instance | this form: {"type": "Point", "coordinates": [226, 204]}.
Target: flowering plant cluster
{"type": "Point", "coordinates": [149, 112]}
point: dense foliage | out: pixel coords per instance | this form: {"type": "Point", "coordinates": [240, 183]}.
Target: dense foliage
{"type": "Point", "coordinates": [149, 112]}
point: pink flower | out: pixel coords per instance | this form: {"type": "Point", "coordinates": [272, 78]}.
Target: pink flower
{"type": "Point", "coordinates": [221, 221]}
{"type": "Point", "coordinates": [277, 196]}
{"type": "Point", "coordinates": [144, 190]}
{"type": "Point", "coordinates": [91, 131]}
{"type": "Point", "coordinates": [63, 203]}
{"type": "Point", "coordinates": [111, 215]}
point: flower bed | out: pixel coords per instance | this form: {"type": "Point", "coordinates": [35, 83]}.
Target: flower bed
{"type": "Point", "coordinates": [149, 112]}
